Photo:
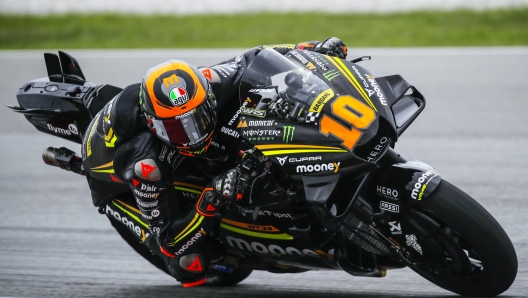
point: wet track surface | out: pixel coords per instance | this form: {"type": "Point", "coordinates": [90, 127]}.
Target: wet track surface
{"type": "Point", "coordinates": [53, 243]}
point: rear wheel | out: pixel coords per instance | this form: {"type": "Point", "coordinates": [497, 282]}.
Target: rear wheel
{"type": "Point", "coordinates": [473, 254]}
{"type": "Point", "coordinates": [223, 279]}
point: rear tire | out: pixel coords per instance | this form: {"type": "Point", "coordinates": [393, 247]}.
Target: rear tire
{"type": "Point", "coordinates": [477, 258]}
{"type": "Point", "coordinates": [224, 279]}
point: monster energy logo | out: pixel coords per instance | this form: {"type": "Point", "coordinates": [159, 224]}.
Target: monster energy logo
{"type": "Point", "coordinates": [332, 74]}
{"type": "Point", "coordinates": [288, 134]}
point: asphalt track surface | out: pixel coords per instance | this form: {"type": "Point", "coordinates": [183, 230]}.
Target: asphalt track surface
{"type": "Point", "coordinates": [53, 243]}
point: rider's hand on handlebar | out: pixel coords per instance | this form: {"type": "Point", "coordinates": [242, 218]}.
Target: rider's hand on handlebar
{"type": "Point", "coordinates": [234, 184]}
{"type": "Point", "coordinates": [332, 46]}
{"type": "Point", "coordinates": [229, 186]}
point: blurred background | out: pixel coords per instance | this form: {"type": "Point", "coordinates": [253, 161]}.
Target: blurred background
{"type": "Point", "coordinates": [32, 24]}
{"type": "Point", "coordinates": [468, 57]}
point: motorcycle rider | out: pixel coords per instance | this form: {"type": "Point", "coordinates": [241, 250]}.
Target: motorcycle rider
{"type": "Point", "coordinates": [140, 139]}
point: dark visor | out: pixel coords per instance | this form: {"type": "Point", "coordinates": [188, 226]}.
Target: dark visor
{"type": "Point", "coordinates": [186, 129]}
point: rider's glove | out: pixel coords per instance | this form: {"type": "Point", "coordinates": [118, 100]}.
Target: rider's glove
{"type": "Point", "coordinates": [332, 46]}
{"type": "Point", "coordinates": [229, 186]}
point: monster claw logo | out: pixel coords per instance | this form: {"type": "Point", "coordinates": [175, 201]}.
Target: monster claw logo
{"type": "Point", "coordinates": [288, 134]}
{"type": "Point", "coordinates": [332, 74]}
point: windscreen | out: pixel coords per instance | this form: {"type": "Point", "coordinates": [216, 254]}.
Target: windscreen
{"type": "Point", "coordinates": [283, 88]}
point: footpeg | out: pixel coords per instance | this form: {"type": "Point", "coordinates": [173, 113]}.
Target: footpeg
{"type": "Point", "coordinates": [63, 158]}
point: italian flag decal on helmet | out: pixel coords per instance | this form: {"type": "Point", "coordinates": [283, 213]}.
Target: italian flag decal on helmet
{"type": "Point", "coordinates": [178, 96]}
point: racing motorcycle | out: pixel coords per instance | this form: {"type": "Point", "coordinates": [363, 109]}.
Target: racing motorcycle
{"type": "Point", "coordinates": [333, 194]}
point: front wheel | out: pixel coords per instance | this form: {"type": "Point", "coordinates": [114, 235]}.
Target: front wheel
{"type": "Point", "coordinates": [474, 256]}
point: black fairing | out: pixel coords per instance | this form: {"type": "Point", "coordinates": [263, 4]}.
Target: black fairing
{"type": "Point", "coordinates": [405, 100]}
{"type": "Point", "coordinates": [305, 98]}
{"type": "Point", "coordinates": [64, 103]}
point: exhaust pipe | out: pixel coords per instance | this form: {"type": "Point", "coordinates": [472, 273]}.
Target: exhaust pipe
{"type": "Point", "coordinates": [48, 156]}
{"type": "Point", "coordinates": [63, 158]}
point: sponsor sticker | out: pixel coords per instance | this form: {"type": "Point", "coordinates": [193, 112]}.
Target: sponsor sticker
{"type": "Point", "coordinates": [254, 112]}
{"type": "Point", "coordinates": [262, 90]}
{"type": "Point", "coordinates": [268, 213]}
{"type": "Point", "coordinates": [255, 123]}
{"type": "Point", "coordinates": [72, 129]}
{"type": "Point", "coordinates": [164, 150]}
{"type": "Point", "coordinates": [317, 59]}
{"type": "Point", "coordinates": [331, 166]}
{"type": "Point", "coordinates": [299, 57]}
{"type": "Point", "coordinates": [303, 159]}
{"type": "Point", "coordinates": [146, 195]}
{"type": "Point", "coordinates": [395, 228]}
{"type": "Point", "coordinates": [271, 249]}
{"type": "Point", "coordinates": [411, 240]}
{"type": "Point", "coordinates": [148, 188]}
{"type": "Point", "coordinates": [185, 114]}
{"type": "Point", "coordinates": [361, 78]}
{"type": "Point", "coordinates": [229, 132]}
{"type": "Point", "coordinates": [421, 184]}
{"type": "Point", "coordinates": [377, 89]}
{"type": "Point", "coordinates": [207, 73]}
{"type": "Point", "coordinates": [244, 104]}
{"type": "Point", "coordinates": [127, 222]}
{"type": "Point", "coordinates": [282, 160]}
{"type": "Point", "coordinates": [331, 74]}
{"type": "Point", "coordinates": [178, 96]}
{"type": "Point", "coordinates": [226, 69]}
{"type": "Point", "coordinates": [90, 135]}
{"type": "Point", "coordinates": [378, 149]}
{"type": "Point", "coordinates": [288, 134]}
{"type": "Point", "coordinates": [321, 100]}
{"type": "Point", "coordinates": [147, 204]}
{"type": "Point", "coordinates": [191, 242]}
{"type": "Point", "coordinates": [389, 207]}
{"type": "Point", "coordinates": [387, 192]}
{"type": "Point", "coordinates": [312, 117]}
{"type": "Point", "coordinates": [261, 134]}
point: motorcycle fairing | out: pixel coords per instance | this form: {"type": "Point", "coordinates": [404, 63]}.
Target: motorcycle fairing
{"type": "Point", "coordinates": [271, 79]}
{"type": "Point", "coordinates": [271, 234]}
{"type": "Point", "coordinates": [63, 103]}
{"type": "Point", "coordinates": [330, 100]}
{"type": "Point", "coordinates": [393, 98]}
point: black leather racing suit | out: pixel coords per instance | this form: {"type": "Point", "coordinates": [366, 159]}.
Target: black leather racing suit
{"type": "Point", "coordinates": [121, 155]}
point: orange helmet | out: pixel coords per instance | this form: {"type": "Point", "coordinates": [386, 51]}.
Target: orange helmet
{"type": "Point", "coordinates": [179, 105]}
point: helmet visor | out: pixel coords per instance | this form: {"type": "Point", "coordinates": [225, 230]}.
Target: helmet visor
{"type": "Point", "coordinates": [187, 129]}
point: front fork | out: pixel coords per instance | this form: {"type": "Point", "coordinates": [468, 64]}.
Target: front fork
{"type": "Point", "coordinates": [396, 189]}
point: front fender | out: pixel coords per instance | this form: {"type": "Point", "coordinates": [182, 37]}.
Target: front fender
{"type": "Point", "coordinates": [405, 184]}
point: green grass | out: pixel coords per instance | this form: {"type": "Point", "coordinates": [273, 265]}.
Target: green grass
{"type": "Point", "coordinates": [455, 28]}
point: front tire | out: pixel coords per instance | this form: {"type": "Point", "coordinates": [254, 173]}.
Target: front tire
{"type": "Point", "coordinates": [476, 256]}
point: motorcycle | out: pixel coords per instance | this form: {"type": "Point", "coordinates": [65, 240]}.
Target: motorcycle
{"type": "Point", "coordinates": [333, 194]}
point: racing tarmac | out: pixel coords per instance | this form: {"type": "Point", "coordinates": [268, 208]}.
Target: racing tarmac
{"type": "Point", "coordinates": [53, 243]}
